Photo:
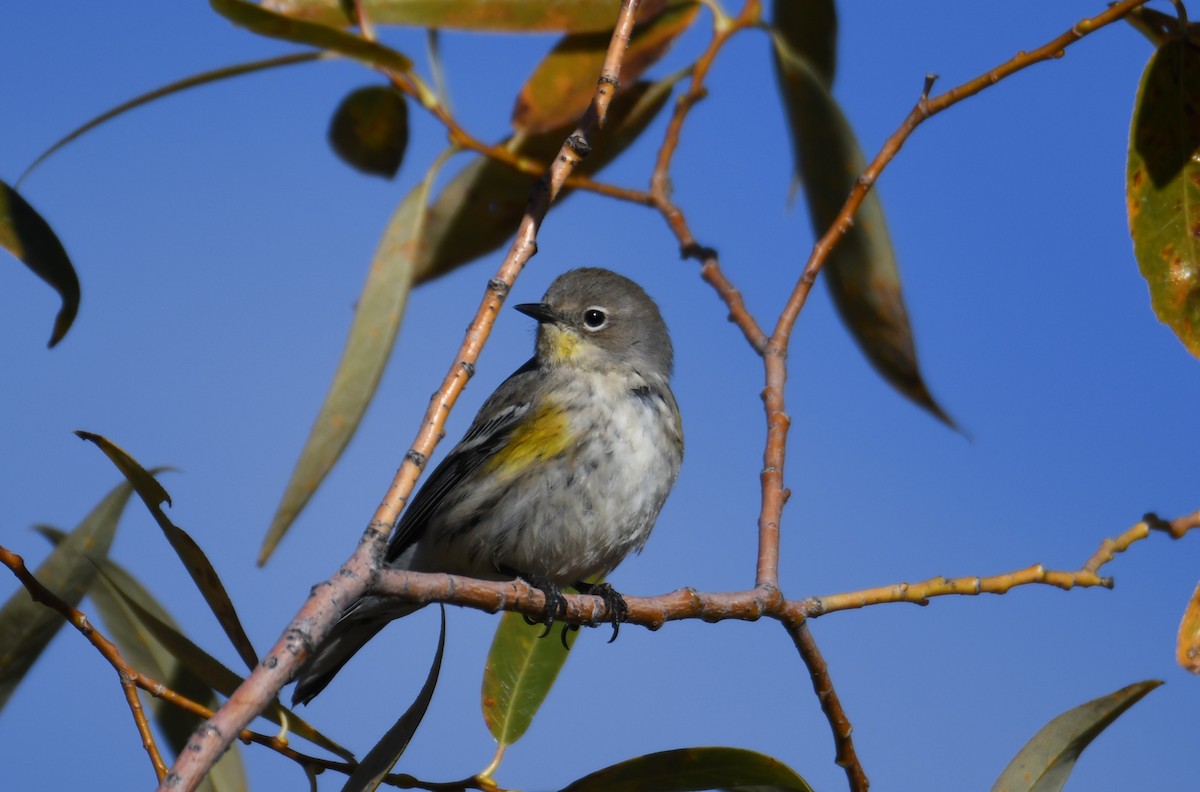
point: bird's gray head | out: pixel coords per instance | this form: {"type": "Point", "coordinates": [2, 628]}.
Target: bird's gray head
{"type": "Point", "coordinates": [596, 319]}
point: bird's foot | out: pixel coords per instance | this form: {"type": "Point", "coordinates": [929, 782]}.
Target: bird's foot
{"type": "Point", "coordinates": [556, 603]}
{"type": "Point", "coordinates": [618, 610]}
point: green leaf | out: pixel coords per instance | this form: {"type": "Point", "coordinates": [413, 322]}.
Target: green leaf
{"type": "Point", "coordinates": [203, 78]}
{"type": "Point", "coordinates": [368, 347]}
{"type": "Point", "coordinates": [369, 130]}
{"type": "Point", "coordinates": [561, 87]}
{"type": "Point", "coordinates": [272, 25]}
{"type": "Point", "coordinates": [26, 627]}
{"type": "Point", "coordinates": [520, 670]}
{"type": "Point", "coordinates": [193, 558]}
{"type": "Point", "coordinates": [693, 769]}
{"type": "Point", "coordinates": [480, 208]}
{"type": "Point", "coordinates": [1163, 187]}
{"type": "Point", "coordinates": [861, 271]}
{"type": "Point", "coordinates": [1045, 762]}
{"type": "Point", "coordinates": [515, 16]}
{"type": "Point", "coordinates": [145, 654]}
{"type": "Point", "coordinates": [380, 759]}
{"type": "Point", "coordinates": [27, 236]}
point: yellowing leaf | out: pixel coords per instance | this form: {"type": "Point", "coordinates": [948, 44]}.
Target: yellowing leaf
{"type": "Point", "coordinates": [562, 85]}
{"type": "Point", "coordinates": [1187, 651]}
{"type": "Point", "coordinates": [1163, 187]}
{"type": "Point", "coordinates": [478, 210]}
{"type": "Point", "coordinates": [260, 20]}
{"type": "Point", "coordinates": [515, 16]}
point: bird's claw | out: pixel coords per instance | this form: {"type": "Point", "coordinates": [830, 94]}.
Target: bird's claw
{"type": "Point", "coordinates": [556, 603]}
{"type": "Point", "coordinates": [614, 603]}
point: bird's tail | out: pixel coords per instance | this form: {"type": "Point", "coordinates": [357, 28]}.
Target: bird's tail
{"type": "Point", "coordinates": [351, 633]}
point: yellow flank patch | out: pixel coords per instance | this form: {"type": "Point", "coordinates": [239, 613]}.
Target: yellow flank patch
{"type": "Point", "coordinates": [562, 343]}
{"type": "Point", "coordinates": [546, 434]}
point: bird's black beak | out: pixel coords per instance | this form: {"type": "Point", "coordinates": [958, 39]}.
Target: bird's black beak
{"type": "Point", "coordinates": [540, 311]}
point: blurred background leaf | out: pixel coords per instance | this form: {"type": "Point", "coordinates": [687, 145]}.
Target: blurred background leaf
{"type": "Point", "coordinates": [369, 130]}
{"type": "Point", "coordinates": [27, 236]}
{"type": "Point", "coordinates": [513, 16]}
{"type": "Point", "coordinates": [26, 627]}
{"type": "Point", "coordinates": [110, 593]}
{"type": "Point", "coordinates": [861, 272]}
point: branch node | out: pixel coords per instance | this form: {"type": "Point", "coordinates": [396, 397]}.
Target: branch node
{"type": "Point", "coordinates": [578, 143]}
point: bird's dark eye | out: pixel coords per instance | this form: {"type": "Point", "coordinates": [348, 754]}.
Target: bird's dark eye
{"type": "Point", "coordinates": [595, 318]}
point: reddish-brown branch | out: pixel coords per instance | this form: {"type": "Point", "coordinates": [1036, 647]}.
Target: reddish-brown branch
{"type": "Point", "coordinates": [753, 604]}
{"type": "Point", "coordinates": [324, 605]}
{"type": "Point", "coordinates": [925, 109]}
{"type": "Point", "coordinates": [846, 757]}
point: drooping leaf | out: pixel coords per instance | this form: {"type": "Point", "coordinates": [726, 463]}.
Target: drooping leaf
{"type": "Point", "coordinates": [27, 236]}
{"type": "Point", "coordinates": [264, 22]}
{"type": "Point", "coordinates": [1187, 651]}
{"type": "Point", "coordinates": [513, 16]}
{"type": "Point", "coordinates": [562, 85]}
{"type": "Point", "coordinates": [1045, 762]}
{"type": "Point", "coordinates": [193, 558]}
{"type": "Point", "coordinates": [380, 759]}
{"type": "Point", "coordinates": [26, 627]}
{"type": "Point", "coordinates": [478, 210]}
{"type": "Point", "coordinates": [146, 655]}
{"type": "Point", "coordinates": [810, 31]}
{"type": "Point", "coordinates": [1163, 187]}
{"type": "Point", "coordinates": [369, 130]}
{"type": "Point", "coordinates": [203, 78]}
{"type": "Point", "coordinates": [520, 670]}
{"type": "Point", "coordinates": [861, 271]}
{"type": "Point", "coordinates": [372, 335]}
{"type": "Point", "coordinates": [691, 770]}
{"type": "Point", "coordinates": [203, 667]}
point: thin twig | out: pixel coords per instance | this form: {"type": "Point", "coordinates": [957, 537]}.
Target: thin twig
{"type": "Point", "coordinates": [325, 603]}
{"type": "Point", "coordinates": [846, 757]}
{"type": "Point", "coordinates": [107, 648]}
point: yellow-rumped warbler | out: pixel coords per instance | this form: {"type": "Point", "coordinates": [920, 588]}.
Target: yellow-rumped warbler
{"type": "Point", "coordinates": [561, 474]}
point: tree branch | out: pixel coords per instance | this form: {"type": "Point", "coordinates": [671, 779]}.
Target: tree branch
{"type": "Point", "coordinates": [324, 605]}
{"type": "Point", "coordinates": [831, 705]}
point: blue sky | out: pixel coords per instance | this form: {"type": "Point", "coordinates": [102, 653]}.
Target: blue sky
{"type": "Point", "coordinates": [221, 247]}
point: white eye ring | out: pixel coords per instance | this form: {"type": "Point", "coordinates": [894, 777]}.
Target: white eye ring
{"type": "Point", "coordinates": [595, 318]}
